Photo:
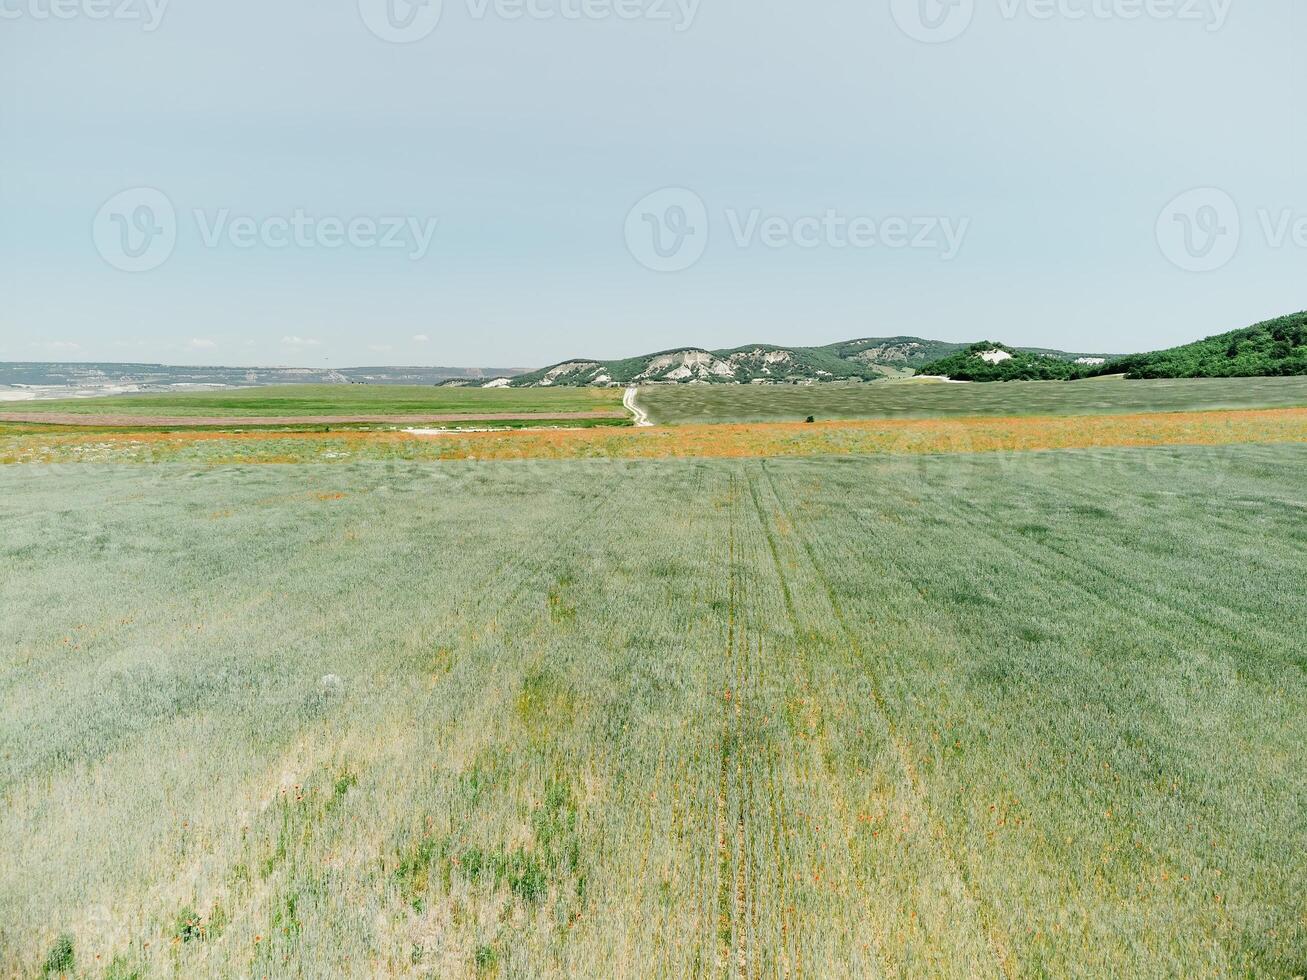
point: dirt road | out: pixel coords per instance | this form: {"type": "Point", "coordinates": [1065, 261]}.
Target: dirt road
{"type": "Point", "coordinates": [641, 416]}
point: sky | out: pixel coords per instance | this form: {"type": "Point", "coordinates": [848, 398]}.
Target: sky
{"type": "Point", "coordinates": [505, 183]}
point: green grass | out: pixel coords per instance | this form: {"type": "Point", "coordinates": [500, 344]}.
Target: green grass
{"type": "Point", "coordinates": [286, 400]}
{"type": "Point", "coordinates": [90, 428]}
{"type": "Point", "coordinates": [848, 717]}
{"type": "Point", "coordinates": [923, 399]}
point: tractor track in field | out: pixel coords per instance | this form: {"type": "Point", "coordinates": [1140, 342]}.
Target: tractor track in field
{"type": "Point", "coordinates": [783, 862]}
{"type": "Point", "coordinates": [736, 889]}
{"type": "Point", "coordinates": [999, 946]}
{"type": "Point", "coordinates": [1048, 559]}
{"type": "Point", "coordinates": [745, 890]}
{"type": "Point", "coordinates": [790, 964]}
{"type": "Point", "coordinates": [1212, 618]}
{"type": "Point", "coordinates": [1116, 584]}
{"type": "Point", "coordinates": [1039, 557]}
{"type": "Point", "coordinates": [723, 910]}
{"type": "Point", "coordinates": [877, 935]}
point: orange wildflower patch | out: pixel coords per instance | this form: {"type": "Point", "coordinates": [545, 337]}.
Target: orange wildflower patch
{"type": "Point", "coordinates": [765, 439]}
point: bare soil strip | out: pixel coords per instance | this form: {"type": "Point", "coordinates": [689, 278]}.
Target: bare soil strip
{"type": "Point", "coordinates": [74, 418]}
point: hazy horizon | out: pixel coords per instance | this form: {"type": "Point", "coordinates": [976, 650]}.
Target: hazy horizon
{"type": "Point", "coordinates": [506, 365]}
{"type": "Point", "coordinates": [518, 182]}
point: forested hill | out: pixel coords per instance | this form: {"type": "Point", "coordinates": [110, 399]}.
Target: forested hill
{"type": "Point", "coordinates": [1276, 347]}
{"type": "Point", "coordinates": [990, 361]}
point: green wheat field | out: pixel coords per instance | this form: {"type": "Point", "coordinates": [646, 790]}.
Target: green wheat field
{"type": "Point", "coordinates": [1035, 715]}
{"type": "Point", "coordinates": [920, 399]}
{"type": "Point", "coordinates": [335, 399]}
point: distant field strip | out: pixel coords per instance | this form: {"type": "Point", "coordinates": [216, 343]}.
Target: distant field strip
{"type": "Point", "coordinates": [777, 439]}
{"type": "Point", "coordinates": [685, 404]}
{"type": "Point", "coordinates": [335, 401]}
{"type": "Point", "coordinates": [976, 716]}
{"type": "Point", "coordinates": [199, 421]}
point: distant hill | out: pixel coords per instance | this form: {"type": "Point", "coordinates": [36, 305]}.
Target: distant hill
{"type": "Point", "coordinates": [868, 359]}
{"type": "Point", "coordinates": [1276, 347]}
{"type": "Point", "coordinates": [147, 377]}
{"type": "Point", "coordinates": [990, 361]}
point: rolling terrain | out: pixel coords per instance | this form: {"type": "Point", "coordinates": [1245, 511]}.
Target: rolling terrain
{"type": "Point", "coordinates": [958, 680]}
{"type": "Point", "coordinates": [855, 360]}
{"type": "Point", "coordinates": [1274, 348]}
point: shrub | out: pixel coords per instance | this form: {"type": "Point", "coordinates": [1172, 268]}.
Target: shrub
{"type": "Point", "coordinates": [487, 958]}
{"type": "Point", "coordinates": [61, 957]}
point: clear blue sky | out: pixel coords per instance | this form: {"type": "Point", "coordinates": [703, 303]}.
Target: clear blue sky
{"type": "Point", "coordinates": [1055, 133]}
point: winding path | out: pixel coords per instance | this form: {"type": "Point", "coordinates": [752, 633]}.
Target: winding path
{"type": "Point", "coordinates": [641, 416]}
